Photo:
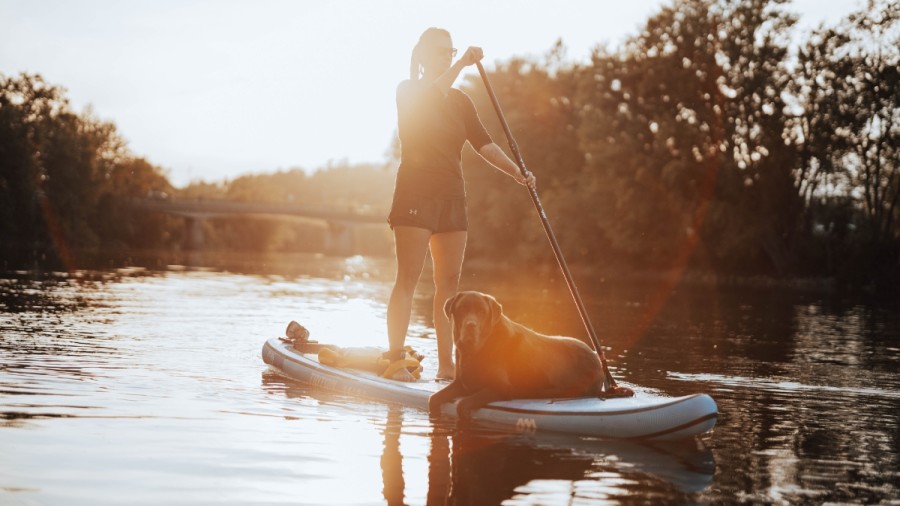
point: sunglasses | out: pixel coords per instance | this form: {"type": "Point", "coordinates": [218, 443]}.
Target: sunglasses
{"type": "Point", "coordinates": [451, 51]}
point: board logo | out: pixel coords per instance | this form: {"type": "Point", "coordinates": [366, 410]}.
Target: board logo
{"type": "Point", "coordinates": [320, 381]}
{"type": "Point", "coordinates": [526, 425]}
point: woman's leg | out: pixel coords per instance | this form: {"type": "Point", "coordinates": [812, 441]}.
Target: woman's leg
{"type": "Point", "coordinates": [447, 252]}
{"type": "Point", "coordinates": [411, 244]}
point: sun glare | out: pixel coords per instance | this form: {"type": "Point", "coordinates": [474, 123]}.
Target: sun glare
{"type": "Point", "coordinates": [353, 322]}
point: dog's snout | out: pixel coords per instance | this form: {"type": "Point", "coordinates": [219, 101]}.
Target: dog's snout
{"type": "Point", "coordinates": [468, 332]}
{"type": "Point", "coordinates": [470, 328]}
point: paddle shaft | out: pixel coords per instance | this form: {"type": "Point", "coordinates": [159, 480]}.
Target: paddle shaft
{"type": "Point", "coordinates": [517, 157]}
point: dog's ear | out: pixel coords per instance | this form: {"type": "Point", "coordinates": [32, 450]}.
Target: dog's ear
{"type": "Point", "coordinates": [448, 306]}
{"type": "Point", "coordinates": [496, 310]}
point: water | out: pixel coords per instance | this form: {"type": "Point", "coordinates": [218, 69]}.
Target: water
{"type": "Point", "coordinates": [147, 387]}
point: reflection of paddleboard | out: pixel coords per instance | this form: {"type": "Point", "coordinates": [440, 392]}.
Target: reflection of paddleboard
{"type": "Point", "coordinates": [689, 465]}
{"type": "Point", "coordinates": [644, 416]}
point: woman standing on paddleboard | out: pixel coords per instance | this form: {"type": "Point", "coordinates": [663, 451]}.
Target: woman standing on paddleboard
{"type": "Point", "coordinates": [429, 206]}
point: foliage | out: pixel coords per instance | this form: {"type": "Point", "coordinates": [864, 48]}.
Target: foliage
{"type": "Point", "coordinates": [866, 100]}
{"type": "Point", "coordinates": [682, 133]}
{"type": "Point", "coordinates": [60, 174]}
{"type": "Point", "coordinates": [537, 103]}
{"type": "Point", "coordinates": [364, 189]}
{"type": "Point", "coordinates": [706, 141]}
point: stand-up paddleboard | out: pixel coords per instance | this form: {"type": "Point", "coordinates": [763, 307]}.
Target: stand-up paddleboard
{"type": "Point", "coordinates": [643, 416]}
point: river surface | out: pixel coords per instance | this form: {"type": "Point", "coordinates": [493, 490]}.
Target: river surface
{"type": "Point", "coordinates": [132, 386]}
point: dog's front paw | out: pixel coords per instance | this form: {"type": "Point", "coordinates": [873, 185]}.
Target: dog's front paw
{"type": "Point", "coordinates": [464, 410]}
{"type": "Point", "coordinates": [434, 405]}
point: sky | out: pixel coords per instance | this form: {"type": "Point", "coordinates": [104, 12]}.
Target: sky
{"type": "Point", "coordinates": [213, 89]}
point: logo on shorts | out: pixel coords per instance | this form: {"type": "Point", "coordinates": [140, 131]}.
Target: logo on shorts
{"type": "Point", "coordinates": [413, 212]}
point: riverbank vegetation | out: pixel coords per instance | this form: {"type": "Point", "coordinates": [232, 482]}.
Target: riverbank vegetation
{"type": "Point", "coordinates": [719, 139]}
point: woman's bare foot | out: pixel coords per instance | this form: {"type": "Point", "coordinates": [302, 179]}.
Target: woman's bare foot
{"type": "Point", "coordinates": [446, 373]}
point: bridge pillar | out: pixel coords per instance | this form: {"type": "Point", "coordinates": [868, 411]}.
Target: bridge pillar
{"type": "Point", "coordinates": [339, 240]}
{"type": "Point", "coordinates": [194, 237]}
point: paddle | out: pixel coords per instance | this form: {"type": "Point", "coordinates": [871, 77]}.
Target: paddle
{"type": "Point", "coordinates": [610, 388]}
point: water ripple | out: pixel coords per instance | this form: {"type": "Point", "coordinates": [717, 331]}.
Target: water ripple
{"type": "Point", "coordinates": [782, 385]}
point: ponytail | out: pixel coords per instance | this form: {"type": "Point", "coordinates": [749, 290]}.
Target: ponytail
{"type": "Point", "coordinates": [415, 65]}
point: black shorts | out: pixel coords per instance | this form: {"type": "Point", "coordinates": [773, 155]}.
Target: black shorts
{"type": "Point", "coordinates": [435, 214]}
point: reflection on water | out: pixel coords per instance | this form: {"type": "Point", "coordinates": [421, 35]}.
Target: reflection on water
{"type": "Point", "coordinates": [545, 469]}
{"type": "Point", "coordinates": [131, 386]}
{"type": "Point", "coordinates": [478, 466]}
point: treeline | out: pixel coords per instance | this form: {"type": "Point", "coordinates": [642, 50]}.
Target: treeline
{"type": "Point", "coordinates": [359, 188]}
{"type": "Point", "coordinates": [67, 181]}
{"type": "Point", "coordinates": [720, 138]}
{"type": "Point", "coordinates": [62, 176]}
{"type": "Point", "coordinates": [710, 141]}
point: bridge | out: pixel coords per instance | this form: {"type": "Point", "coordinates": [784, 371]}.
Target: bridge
{"type": "Point", "coordinates": [341, 223]}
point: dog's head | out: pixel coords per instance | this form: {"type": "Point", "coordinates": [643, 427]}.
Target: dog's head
{"type": "Point", "coordinates": [473, 316]}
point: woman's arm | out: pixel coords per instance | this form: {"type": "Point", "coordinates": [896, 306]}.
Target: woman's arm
{"type": "Point", "coordinates": [496, 157]}
{"type": "Point", "coordinates": [446, 80]}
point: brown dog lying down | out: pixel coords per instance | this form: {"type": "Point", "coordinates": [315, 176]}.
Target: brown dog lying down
{"type": "Point", "coordinates": [499, 359]}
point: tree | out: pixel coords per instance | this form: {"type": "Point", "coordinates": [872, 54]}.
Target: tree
{"type": "Point", "coordinates": [868, 102]}
{"type": "Point", "coordinates": [683, 137]}
{"type": "Point", "coordinates": [117, 223]}
{"type": "Point", "coordinates": [845, 130]}
{"type": "Point", "coordinates": [24, 105]}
